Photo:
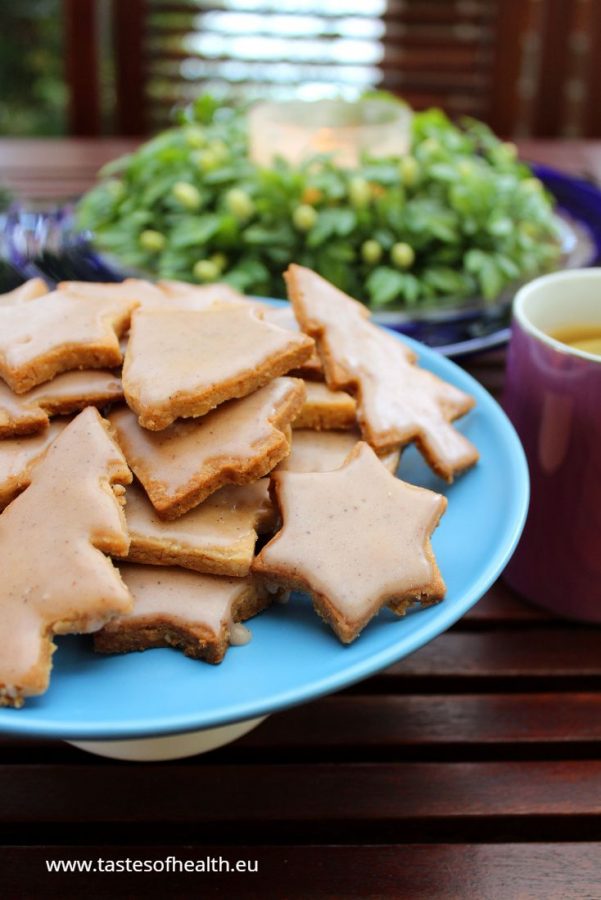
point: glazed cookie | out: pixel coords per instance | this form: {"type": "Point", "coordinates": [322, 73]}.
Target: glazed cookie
{"type": "Point", "coordinates": [356, 539]}
{"type": "Point", "coordinates": [54, 536]}
{"type": "Point", "coordinates": [201, 296]}
{"type": "Point", "coordinates": [284, 317]}
{"type": "Point", "coordinates": [397, 401]}
{"type": "Point", "coordinates": [324, 451]}
{"type": "Point", "coordinates": [237, 443]}
{"type": "Point", "coordinates": [133, 290]}
{"type": "Point", "coordinates": [30, 290]}
{"type": "Point", "coordinates": [175, 608]}
{"type": "Point", "coordinates": [56, 333]}
{"type": "Point", "coordinates": [162, 295]}
{"type": "Point", "coordinates": [67, 393]}
{"type": "Point", "coordinates": [218, 537]}
{"type": "Point", "coordinates": [325, 409]}
{"type": "Point", "coordinates": [18, 458]}
{"type": "Point", "coordinates": [184, 363]}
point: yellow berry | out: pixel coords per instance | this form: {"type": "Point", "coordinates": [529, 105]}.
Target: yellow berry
{"type": "Point", "coordinates": [206, 270]}
{"type": "Point", "coordinates": [152, 241]}
{"type": "Point", "coordinates": [239, 203]}
{"type": "Point", "coordinates": [220, 260]}
{"type": "Point", "coordinates": [359, 192]}
{"type": "Point", "coordinates": [371, 251]}
{"type": "Point", "coordinates": [187, 195]}
{"type": "Point", "coordinates": [409, 169]}
{"type": "Point", "coordinates": [402, 255]}
{"type": "Point", "coordinates": [304, 217]}
{"type": "Point", "coordinates": [195, 137]}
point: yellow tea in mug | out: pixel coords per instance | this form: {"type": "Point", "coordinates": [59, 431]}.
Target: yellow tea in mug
{"type": "Point", "coordinates": [580, 337]}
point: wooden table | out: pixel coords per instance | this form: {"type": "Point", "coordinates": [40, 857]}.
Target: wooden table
{"type": "Point", "coordinates": [471, 769]}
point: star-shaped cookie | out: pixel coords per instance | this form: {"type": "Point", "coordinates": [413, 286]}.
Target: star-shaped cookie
{"type": "Point", "coordinates": [397, 401]}
{"type": "Point", "coordinates": [162, 295]}
{"type": "Point", "coordinates": [175, 608]}
{"type": "Point", "coordinates": [184, 363]}
{"type": "Point", "coordinates": [57, 332]}
{"type": "Point", "coordinates": [324, 451]}
{"type": "Point", "coordinates": [237, 443]}
{"type": "Point", "coordinates": [30, 290]}
{"type": "Point", "coordinates": [69, 392]}
{"type": "Point", "coordinates": [356, 539]}
{"type": "Point", "coordinates": [19, 457]}
{"type": "Point", "coordinates": [325, 409]}
{"type": "Point", "coordinates": [218, 537]}
{"type": "Point", "coordinates": [283, 316]}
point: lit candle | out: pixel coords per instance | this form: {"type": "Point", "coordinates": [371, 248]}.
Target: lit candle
{"type": "Point", "coordinates": [343, 129]}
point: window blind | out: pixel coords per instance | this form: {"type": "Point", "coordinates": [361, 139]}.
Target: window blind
{"type": "Point", "coordinates": [429, 51]}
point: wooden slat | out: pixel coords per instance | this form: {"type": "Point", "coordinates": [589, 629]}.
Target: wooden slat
{"type": "Point", "coordinates": [501, 606]}
{"type": "Point", "coordinates": [510, 27]}
{"type": "Point", "coordinates": [449, 58]}
{"type": "Point", "coordinates": [558, 18]}
{"type": "Point", "coordinates": [563, 871]}
{"type": "Point", "coordinates": [161, 37]}
{"type": "Point", "coordinates": [373, 727]}
{"type": "Point", "coordinates": [396, 11]}
{"type": "Point", "coordinates": [396, 723]}
{"type": "Point", "coordinates": [592, 112]}
{"type": "Point", "coordinates": [323, 801]}
{"type": "Point", "coordinates": [512, 653]}
{"type": "Point", "coordinates": [128, 38]}
{"type": "Point", "coordinates": [81, 66]}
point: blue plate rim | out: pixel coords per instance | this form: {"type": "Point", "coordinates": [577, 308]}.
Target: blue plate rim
{"type": "Point", "coordinates": [17, 721]}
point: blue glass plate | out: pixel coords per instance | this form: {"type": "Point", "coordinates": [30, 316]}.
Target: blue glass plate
{"type": "Point", "coordinates": [293, 657]}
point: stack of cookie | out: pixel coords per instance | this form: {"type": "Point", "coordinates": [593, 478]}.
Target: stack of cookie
{"type": "Point", "coordinates": [217, 392]}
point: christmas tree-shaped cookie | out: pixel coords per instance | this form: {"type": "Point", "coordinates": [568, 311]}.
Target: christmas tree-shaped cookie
{"type": "Point", "coordinates": [54, 536]}
{"type": "Point", "coordinates": [398, 402]}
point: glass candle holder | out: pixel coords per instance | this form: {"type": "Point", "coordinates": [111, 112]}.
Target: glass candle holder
{"type": "Point", "coordinates": [343, 129]}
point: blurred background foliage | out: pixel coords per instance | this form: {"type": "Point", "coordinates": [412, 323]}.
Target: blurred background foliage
{"type": "Point", "coordinates": [33, 93]}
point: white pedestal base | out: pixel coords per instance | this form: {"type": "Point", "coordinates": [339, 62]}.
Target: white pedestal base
{"type": "Point", "coordinates": [173, 746]}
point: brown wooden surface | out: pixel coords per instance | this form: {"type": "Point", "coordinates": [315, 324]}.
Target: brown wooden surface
{"type": "Point", "coordinates": [471, 769]}
{"type": "Point", "coordinates": [58, 168]}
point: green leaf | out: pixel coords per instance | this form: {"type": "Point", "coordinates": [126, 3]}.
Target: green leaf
{"type": "Point", "coordinates": [444, 172]}
{"type": "Point", "coordinates": [384, 285]}
{"type": "Point", "coordinates": [490, 279]}
{"type": "Point", "coordinates": [267, 237]}
{"type": "Point", "coordinates": [194, 231]}
{"type": "Point", "coordinates": [116, 166]}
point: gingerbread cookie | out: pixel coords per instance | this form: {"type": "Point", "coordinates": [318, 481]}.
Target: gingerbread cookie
{"type": "Point", "coordinates": [54, 536]}
{"type": "Point", "coordinates": [194, 296]}
{"type": "Point", "coordinates": [184, 363]}
{"type": "Point", "coordinates": [356, 539]}
{"type": "Point", "coordinates": [397, 401]}
{"type": "Point", "coordinates": [67, 393]}
{"type": "Point", "coordinates": [325, 409]}
{"type": "Point", "coordinates": [163, 295]}
{"type": "Point", "coordinates": [134, 290]}
{"type": "Point", "coordinates": [218, 537]}
{"type": "Point", "coordinates": [30, 290]}
{"type": "Point", "coordinates": [175, 608]}
{"type": "Point", "coordinates": [237, 443]}
{"type": "Point", "coordinates": [18, 458]}
{"type": "Point", "coordinates": [324, 451]}
{"type": "Point", "coordinates": [284, 317]}
{"type": "Point", "coordinates": [56, 333]}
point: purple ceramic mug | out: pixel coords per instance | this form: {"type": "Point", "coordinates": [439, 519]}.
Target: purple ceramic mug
{"type": "Point", "coordinates": [553, 397]}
